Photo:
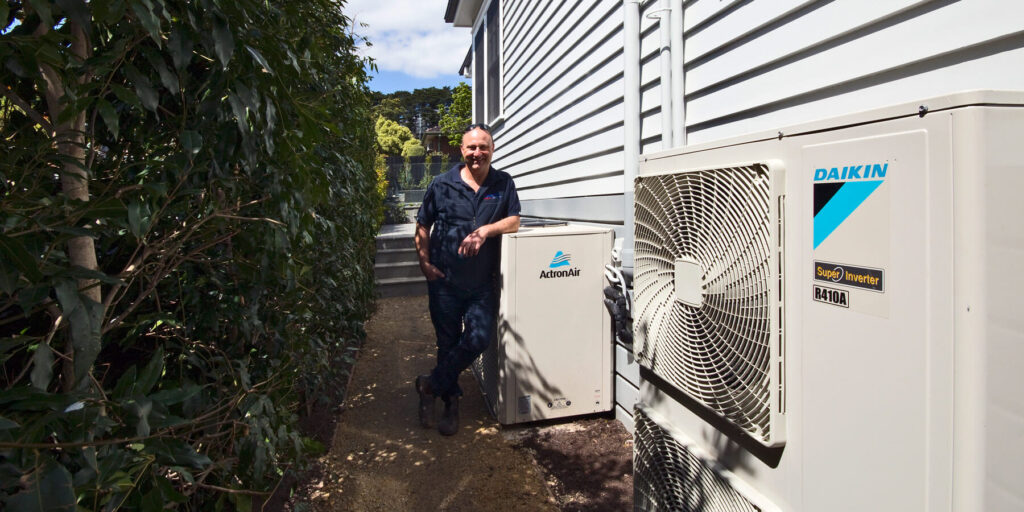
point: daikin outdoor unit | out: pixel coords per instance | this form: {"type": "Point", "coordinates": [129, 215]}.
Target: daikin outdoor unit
{"type": "Point", "coordinates": [829, 316]}
{"type": "Point", "coordinates": [553, 353]}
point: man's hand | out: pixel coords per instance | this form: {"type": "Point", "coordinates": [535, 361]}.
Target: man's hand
{"type": "Point", "coordinates": [470, 246]}
{"type": "Point", "coordinates": [430, 271]}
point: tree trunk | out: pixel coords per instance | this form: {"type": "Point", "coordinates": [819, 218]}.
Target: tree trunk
{"type": "Point", "coordinates": [70, 139]}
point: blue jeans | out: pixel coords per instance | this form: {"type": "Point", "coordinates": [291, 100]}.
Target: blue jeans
{"type": "Point", "coordinates": [464, 321]}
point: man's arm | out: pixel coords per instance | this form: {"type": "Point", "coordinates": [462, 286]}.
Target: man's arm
{"type": "Point", "coordinates": [470, 246]}
{"type": "Point", "coordinates": [423, 252]}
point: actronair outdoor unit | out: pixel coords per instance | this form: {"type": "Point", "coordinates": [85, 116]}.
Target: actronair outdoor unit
{"type": "Point", "coordinates": [829, 316]}
{"type": "Point", "coordinates": [553, 353]}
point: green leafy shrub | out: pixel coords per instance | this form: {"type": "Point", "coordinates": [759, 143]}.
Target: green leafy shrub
{"type": "Point", "coordinates": [188, 206]}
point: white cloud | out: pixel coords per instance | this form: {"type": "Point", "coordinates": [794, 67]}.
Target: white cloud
{"type": "Point", "coordinates": [410, 36]}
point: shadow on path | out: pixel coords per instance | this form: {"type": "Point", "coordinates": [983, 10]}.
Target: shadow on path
{"type": "Point", "coordinates": [382, 460]}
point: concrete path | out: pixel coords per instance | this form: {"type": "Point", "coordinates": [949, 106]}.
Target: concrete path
{"type": "Point", "coordinates": [382, 460]}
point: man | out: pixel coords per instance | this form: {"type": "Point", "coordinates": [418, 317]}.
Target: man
{"type": "Point", "coordinates": [466, 206]}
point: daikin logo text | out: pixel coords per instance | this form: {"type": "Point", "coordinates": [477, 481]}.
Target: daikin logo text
{"type": "Point", "coordinates": [851, 172]}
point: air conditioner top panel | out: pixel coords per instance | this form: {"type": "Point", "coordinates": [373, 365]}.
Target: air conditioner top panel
{"type": "Point", "coordinates": [935, 104]}
{"type": "Point", "coordinates": [525, 232]}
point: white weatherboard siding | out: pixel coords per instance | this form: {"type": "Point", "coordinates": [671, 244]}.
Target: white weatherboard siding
{"type": "Point", "coordinates": [562, 135]}
{"type": "Point", "coordinates": [756, 66]}
{"type": "Point", "coordinates": [749, 67]}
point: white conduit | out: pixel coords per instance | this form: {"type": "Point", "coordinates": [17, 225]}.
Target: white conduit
{"type": "Point", "coordinates": [678, 76]}
{"type": "Point", "coordinates": [665, 31]}
{"type": "Point", "coordinates": [631, 117]}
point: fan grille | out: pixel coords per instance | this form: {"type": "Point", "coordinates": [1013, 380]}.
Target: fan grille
{"type": "Point", "coordinates": [717, 352]}
{"type": "Point", "coordinates": [668, 476]}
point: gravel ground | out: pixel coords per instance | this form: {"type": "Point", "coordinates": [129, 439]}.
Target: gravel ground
{"type": "Point", "coordinates": [382, 460]}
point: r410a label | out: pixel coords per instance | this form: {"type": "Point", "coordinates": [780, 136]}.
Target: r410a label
{"type": "Point", "coordinates": [831, 296]}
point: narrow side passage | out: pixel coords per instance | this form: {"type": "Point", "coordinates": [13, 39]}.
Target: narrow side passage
{"type": "Point", "coordinates": [382, 460]}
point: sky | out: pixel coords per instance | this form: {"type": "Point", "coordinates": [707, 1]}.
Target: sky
{"type": "Point", "coordinates": [410, 43]}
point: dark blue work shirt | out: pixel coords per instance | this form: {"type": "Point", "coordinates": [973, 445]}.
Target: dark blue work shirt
{"type": "Point", "coordinates": [454, 211]}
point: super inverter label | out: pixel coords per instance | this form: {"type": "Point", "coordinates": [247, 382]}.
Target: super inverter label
{"type": "Point", "coordinates": [850, 206]}
{"type": "Point", "coordinates": [849, 275]}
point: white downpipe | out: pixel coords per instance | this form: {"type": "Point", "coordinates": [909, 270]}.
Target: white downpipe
{"type": "Point", "coordinates": [665, 52]}
{"type": "Point", "coordinates": [678, 76]}
{"type": "Point", "coordinates": [631, 120]}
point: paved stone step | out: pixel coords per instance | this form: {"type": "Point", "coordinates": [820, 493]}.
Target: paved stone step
{"type": "Point", "coordinates": [395, 242]}
{"type": "Point", "coordinates": [403, 255]}
{"type": "Point", "coordinates": [401, 287]}
{"type": "Point", "coordinates": [395, 270]}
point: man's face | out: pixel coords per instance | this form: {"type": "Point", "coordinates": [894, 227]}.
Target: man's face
{"type": "Point", "coordinates": [477, 150]}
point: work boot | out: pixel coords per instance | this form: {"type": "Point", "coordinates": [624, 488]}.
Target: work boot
{"type": "Point", "coordinates": [426, 401]}
{"type": "Point", "coordinates": [449, 423]}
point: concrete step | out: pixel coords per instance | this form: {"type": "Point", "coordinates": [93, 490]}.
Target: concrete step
{"type": "Point", "coordinates": [395, 242]}
{"type": "Point", "coordinates": [401, 287]}
{"type": "Point", "coordinates": [396, 270]}
{"type": "Point", "coordinates": [403, 255]}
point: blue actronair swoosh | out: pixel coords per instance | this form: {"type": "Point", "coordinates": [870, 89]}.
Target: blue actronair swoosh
{"type": "Point", "coordinates": [847, 199]}
{"type": "Point", "coordinates": [560, 260]}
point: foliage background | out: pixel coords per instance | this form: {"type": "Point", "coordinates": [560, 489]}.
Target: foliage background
{"type": "Point", "coordinates": [226, 154]}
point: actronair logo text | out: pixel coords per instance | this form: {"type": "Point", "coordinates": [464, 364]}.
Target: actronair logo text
{"type": "Point", "coordinates": [560, 260]}
{"type": "Point", "coordinates": [852, 172]}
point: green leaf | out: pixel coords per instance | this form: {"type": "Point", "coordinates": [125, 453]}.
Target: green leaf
{"type": "Point", "coordinates": [32, 296]}
{"type": "Point", "coordinates": [125, 95]}
{"type": "Point", "coordinates": [42, 8]}
{"type": "Point", "coordinates": [142, 408]}
{"type": "Point", "coordinates": [48, 489]}
{"type": "Point", "coordinates": [5, 10]}
{"type": "Point", "coordinates": [109, 116]}
{"type": "Point", "coordinates": [223, 41]}
{"type": "Point", "coordinates": [177, 452]}
{"type": "Point", "coordinates": [192, 142]}
{"type": "Point", "coordinates": [74, 231]}
{"type": "Point", "coordinates": [151, 373]}
{"type": "Point", "coordinates": [243, 502]}
{"type": "Point", "coordinates": [180, 45]}
{"type": "Point", "coordinates": [148, 20]}
{"type": "Point", "coordinates": [77, 11]}
{"type": "Point", "coordinates": [239, 111]}
{"type": "Point", "coordinates": [126, 384]}
{"type": "Point", "coordinates": [136, 218]}
{"type": "Point", "coordinates": [152, 501]}
{"type": "Point", "coordinates": [6, 424]}
{"type": "Point", "coordinates": [14, 252]}
{"type": "Point", "coordinates": [143, 87]}
{"type": "Point", "coordinates": [168, 491]}
{"type": "Point", "coordinates": [42, 367]}
{"type": "Point", "coordinates": [169, 397]}
{"type": "Point", "coordinates": [104, 209]}
{"type": "Point", "coordinates": [259, 58]}
{"type": "Point", "coordinates": [167, 77]}
{"type": "Point", "coordinates": [84, 317]}
{"type": "Point", "coordinates": [8, 278]}
{"type": "Point", "coordinates": [79, 272]}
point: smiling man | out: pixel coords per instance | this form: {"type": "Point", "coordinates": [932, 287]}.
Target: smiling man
{"type": "Point", "coordinates": [462, 209]}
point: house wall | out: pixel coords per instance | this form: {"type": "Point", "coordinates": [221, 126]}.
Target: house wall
{"type": "Point", "coordinates": [756, 66]}
{"type": "Point", "coordinates": [562, 133]}
{"type": "Point", "coordinates": [749, 67]}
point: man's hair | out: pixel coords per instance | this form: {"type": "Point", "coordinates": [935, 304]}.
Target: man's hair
{"type": "Point", "coordinates": [478, 126]}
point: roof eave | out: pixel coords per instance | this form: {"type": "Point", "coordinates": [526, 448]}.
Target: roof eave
{"type": "Point", "coordinates": [462, 13]}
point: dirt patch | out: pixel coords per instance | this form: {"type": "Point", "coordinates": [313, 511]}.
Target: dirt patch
{"type": "Point", "coordinates": [381, 459]}
{"type": "Point", "coordinates": [587, 464]}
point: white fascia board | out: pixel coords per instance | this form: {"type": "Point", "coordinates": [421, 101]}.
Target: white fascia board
{"type": "Point", "coordinates": [466, 12]}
